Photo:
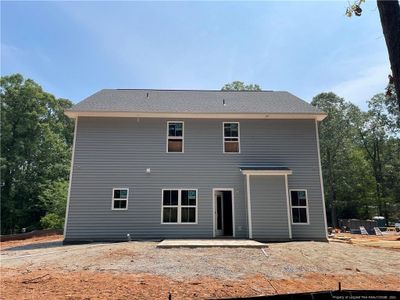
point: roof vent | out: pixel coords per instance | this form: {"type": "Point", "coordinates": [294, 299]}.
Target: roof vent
{"type": "Point", "coordinates": [223, 102]}
{"type": "Point", "coordinates": [147, 95]}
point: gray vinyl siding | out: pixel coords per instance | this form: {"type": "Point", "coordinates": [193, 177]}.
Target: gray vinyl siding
{"type": "Point", "coordinates": [269, 208]}
{"type": "Point", "coordinates": [115, 153]}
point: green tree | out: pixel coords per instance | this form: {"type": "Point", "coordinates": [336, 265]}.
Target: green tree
{"type": "Point", "coordinates": [36, 142]}
{"type": "Point", "coordinates": [379, 133]}
{"type": "Point", "coordinates": [240, 86]}
{"type": "Point", "coordinates": [392, 177]}
{"type": "Point", "coordinates": [336, 134]}
{"type": "Point", "coordinates": [355, 186]}
{"type": "Point", "coordinates": [360, 157]}
{"type": "Point", "coordinates": [54, 199]}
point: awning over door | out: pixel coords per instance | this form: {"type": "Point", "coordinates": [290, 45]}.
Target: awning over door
{"type": "Point", "coordinates": [265, 169]}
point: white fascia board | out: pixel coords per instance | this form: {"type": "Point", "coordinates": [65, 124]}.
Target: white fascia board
{"type": "Point", "coordinates": [272, 116]}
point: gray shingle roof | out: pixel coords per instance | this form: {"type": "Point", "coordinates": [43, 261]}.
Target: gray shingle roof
{"type": "Point", "coordinates": [264, 167]}
{"type": "Point", "coordinates": [192, 101]}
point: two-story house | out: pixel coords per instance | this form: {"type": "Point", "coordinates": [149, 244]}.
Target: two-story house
{"type": "Point", "coordinates": [158, 164]}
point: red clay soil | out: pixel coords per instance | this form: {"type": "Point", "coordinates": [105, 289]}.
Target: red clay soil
{"type": "Point", "coordinates": [39, 239]}
{"type": "Point", "coordinates": [45, 284]}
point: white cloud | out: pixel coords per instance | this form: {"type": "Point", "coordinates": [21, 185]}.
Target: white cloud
{"type": "Point", "coordinates": [364, 85]}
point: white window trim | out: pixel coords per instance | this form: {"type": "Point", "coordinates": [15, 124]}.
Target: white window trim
{"type": "Point", "coordinates": [223, 137]}
{"type": "Point", "coordinates": [179, 206]}
{"type": "Point", "coordinates": [306, 207]}
{"type": "Point", "coordinates": [176, 137]}
{"type": "Point", "coordinates": [113, 199]}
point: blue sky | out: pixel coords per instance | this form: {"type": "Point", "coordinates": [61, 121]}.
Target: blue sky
{"type": "Point", "coordinates": [74, 49]}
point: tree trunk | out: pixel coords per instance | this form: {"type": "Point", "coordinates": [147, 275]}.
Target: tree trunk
{"type": "Point", "coordinates": [389, 12]}
{"type": "Point", "coordinates": [386, 213]}
{"type": "Point", "coordinates": [333, 211]}
{"type": "Point", "coordinates": [378, 197]}
{"type": "Point", "coordinates": [377, 177]}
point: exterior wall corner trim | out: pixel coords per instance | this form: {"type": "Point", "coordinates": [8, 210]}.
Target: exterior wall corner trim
{"type": "Point", "coordinates": [288, 207]}
{"type": "Point", "coordinates": [321, 180]}
{"type": "Point", "coordinates": [71, 171]}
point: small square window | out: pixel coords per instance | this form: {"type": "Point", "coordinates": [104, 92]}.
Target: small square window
{"type": "Point", "coordinates": [120, 199]}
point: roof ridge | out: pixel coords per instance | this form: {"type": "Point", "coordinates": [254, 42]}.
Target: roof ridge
{"type": "Point", "coordinates": [188, 90]}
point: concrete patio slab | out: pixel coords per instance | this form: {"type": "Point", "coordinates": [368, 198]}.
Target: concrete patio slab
{"type": "Point", "coordinates": [211, 243]}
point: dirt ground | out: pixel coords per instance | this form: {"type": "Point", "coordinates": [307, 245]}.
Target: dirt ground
{"type": "Point", "coordinates": [34, 240]}
{"type": "Point", "coordinates": [388, 241]}
{"type": "Point", "coordinates": [43, 268]}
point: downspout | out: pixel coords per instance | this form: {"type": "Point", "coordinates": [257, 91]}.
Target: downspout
{"type": "Point", "coordinates": [288, 207]}
{"type": "Point", "coordinates": [249, 206]}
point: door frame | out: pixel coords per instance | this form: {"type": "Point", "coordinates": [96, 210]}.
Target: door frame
{"type": "Point", "coordinates": [214, 199]}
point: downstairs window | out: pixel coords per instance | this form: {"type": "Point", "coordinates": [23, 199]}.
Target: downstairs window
{"type": "Point", "coordinates": [299, 206]}
{"type": "Point", "coordinates": [120, 199]}
{"type": "Point", "coordinates": [179, 206]}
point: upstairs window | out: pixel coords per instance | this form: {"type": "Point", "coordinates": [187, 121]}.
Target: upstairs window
{"type": "Point", "coordinates": [175, 137]}
{"type": "Point", "coordinates": [299, 205]}
{"type": "Point", "coordinates": [231, 137]}
{"type": "Point", "coordinates": [120, 199]}
{"type": "Point", "coordinates": [179, 206]}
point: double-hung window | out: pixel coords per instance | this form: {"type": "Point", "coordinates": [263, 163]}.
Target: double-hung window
{"type": "Point", "coordinates": [299, 206]}
{"type": "Point", "coordinates": [174, 136]}
{"type": "Point", "coordinates": [170, 206]}
{"type": "Point", "coordinates": [188, 206]}
{"type": "Point", "coordinates": [231, 137]}
{"type": "Point", "coordinates": [120, 199]}
{"type": "Point", "coordinates": [179, 206]}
